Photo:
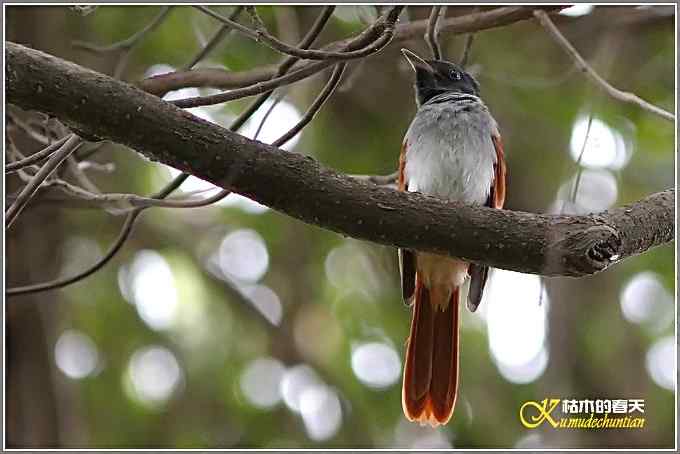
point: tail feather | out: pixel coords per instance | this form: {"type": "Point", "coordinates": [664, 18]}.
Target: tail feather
{"type": "Point", "coordinates": [431, 369]}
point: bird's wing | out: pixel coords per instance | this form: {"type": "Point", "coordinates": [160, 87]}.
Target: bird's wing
{"type": "Point", "coordinates": [479, 273]}
{"type": "Point", "coordinates": [407, 259]}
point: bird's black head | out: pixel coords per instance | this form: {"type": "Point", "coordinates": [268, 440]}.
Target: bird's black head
{"type": "Point", "coordinates": [434, 77]}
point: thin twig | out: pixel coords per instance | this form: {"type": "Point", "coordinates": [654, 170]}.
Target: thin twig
{"type": "Point", "coordinates": [577, 182]}
{"type": "Point", "coordinates": [579, 171]}
{"type": "Point", "coordinates": [287, 63]}
{"type": "Point", "coordinates": [466, 50]}
{"type": "Point", "coordinates": [261, 34]}
{"type": "Point", "coordinates": [465, 56]}
{"type": "Point", "coordinates": [26, 128]}
{"type": "Point", "coordinates": [123, 201]}
{"type": "Point", "coordinates": [124, 234]}
{"type": "Point", "coordinates": [323, 96]}
{"type": "Point", "coordinates": [127, 43]}
{"type": "Point", "coordinates": [45, 171]}
{"type": "Point", "coordinates": [582, 65]}
{"type": "Point", "coordinates": [266, 115]}
{"type": "Point", "coordinates": [126, 46]}
{"type": "Point", "coordinates": [35, 157]}
{"type": "Point", "coordinates": [219, 35]}
{"type": "Point", "coordinates": [60, 283]}
{"type": "Point", "coordinates": [432, 31]}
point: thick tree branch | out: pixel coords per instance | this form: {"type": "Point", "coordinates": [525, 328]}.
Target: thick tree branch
{"type": "Point", "coordinates": [219, 78]}
{"type": "Point", "coordinates": [98, 106]}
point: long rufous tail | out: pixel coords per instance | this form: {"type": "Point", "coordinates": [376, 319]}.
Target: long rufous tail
{"type": "Point", "coordinates": [431, 370]}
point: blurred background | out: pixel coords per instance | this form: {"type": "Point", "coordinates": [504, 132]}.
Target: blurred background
{"type": "Point", "coordinates": [237, 326]}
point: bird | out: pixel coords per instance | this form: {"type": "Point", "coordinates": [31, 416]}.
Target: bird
{"type": "Point", "coordinates": [452, 150]}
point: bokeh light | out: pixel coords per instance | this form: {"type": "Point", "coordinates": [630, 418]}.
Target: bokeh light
{"type": "Point", "coordinates": [266, 301]}
{"type": "Point", "coordinates": [602, 146]}
{"type": "Point", "coordinates": [154, 374]}
{"type": "Point", "coordinates": [660, 362]}
{"type": "Point", "coordinates": [597, 191]}
{"type": "Point", "coordinates": [295, 381]}
{"type": "Point", "coordinates": [243, 256]}
{"type": "Point", "coordinates": [244, 204]}
{"type": "Point", "coordinates": [580, 9]}
{"type": "Point", "coordinates": [644, 299]}
{"type": "Point", "coordinates": [349, 267]}
{"type": "Point", "coordinates": [516, 324]}
{"type": "Point", "coordinates": [284, 116]}
{"type": "Point", "coordinates": [415, 436]}
{"type": "Point", "coordinates": [203, 112]}
{"type": "Point", "coordinates": [321, 412]}
{"type": "Point", "coordinates": [148, 282]}
{"type": "Point", "coordinates": [376, 364]}
{"type": "Point", "coordinates": [260, 382]}
{"type": "Point", "coordinates": [76, 354]}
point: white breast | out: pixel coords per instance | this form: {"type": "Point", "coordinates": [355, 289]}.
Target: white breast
{"type": "Point", "coordinates": [450, 153]}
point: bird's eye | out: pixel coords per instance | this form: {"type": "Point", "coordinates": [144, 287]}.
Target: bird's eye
{"type": "Point", "coordinates": [455, 75]}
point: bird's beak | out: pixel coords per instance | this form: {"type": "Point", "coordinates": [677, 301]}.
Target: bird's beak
{"type": "Point", "coordinates": [416, 61]}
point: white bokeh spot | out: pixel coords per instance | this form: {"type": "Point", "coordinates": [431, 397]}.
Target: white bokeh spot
{"type": "Point", "coordinates": [516, 324]}
{"type": "Point", "coordinates": [376, 364]}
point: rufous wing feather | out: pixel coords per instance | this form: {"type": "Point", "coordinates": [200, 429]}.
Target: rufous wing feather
{"type": "Point", "coordinates": [407, 259]}
{"type": "Point", "coordinates": [479, 273]}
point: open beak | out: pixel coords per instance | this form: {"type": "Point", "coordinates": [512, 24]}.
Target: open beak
{"type": "Point", "coordinates": [416, 61]}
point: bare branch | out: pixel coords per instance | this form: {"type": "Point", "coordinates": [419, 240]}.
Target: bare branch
{"type": "Point", "coordinates": [579, 172]}
{"type": "Point", "coordinates": [210, 77]}
{"type": "Point", "coordinates": [219, 35]}
{"type": "Point", "coordinates": [60, 283]}
{"type": "Point", "coordinates": [35, 157]}
{"type": "Point", "coordinates": [465, 55]}
{"type": "Point", "coordinates": [466, 49]}
{"type": "Point", "coordinates": [261, 34]}
{"type": "Point", "coordinates": [326, 93]}
{"type": "Point", "coordinates": [129, 42]}
{"type": "Point", "coordinates": [266, 115]}
{"type": "Point", "coordinates": [369, 40]}
{"type": "Point", "coordinates": [50, 166]}
{"type": "Point", "coordinates": [287, 63]}
{"type": "Point", "coordinates": [125, 232]}
{"type": "Point", "coordinates": [118, 203]}
{"type": "Point", "coordinates": [551, 245]}
{"type": "Point", "coordinates": [126, 46]}
{"type": "Point", "coordinates": [583, 66]}
{"type": "Point", "coordinates": [432, 31]}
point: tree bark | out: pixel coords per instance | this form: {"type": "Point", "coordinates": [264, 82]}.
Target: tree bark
{"type": "Point", "coordinates": [99, 107]}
